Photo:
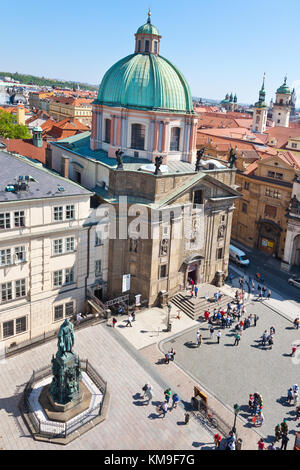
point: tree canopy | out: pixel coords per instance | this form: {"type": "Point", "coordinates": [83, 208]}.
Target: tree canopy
{"type": "Point", "coordinates": [10, 129]}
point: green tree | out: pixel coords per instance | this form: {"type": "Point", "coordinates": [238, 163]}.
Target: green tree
{"type": "Point", "coordinates": [10, 129]}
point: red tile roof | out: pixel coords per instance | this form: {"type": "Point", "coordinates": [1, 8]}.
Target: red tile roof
{"type": "Point", "coordinates": [282, 134]}
{"type": "Point", "coordinates": [26, 148]}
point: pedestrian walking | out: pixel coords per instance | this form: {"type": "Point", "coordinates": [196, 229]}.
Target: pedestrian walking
{"type": "Point", "coordinates": [163, 408]}
{"type": "Point", "coordinates": [290, 395]}
{"type": "Point", "coordinates": [129, 321]}
{"type": "Point", "coordinates": [133, 315]}
{"type": "Point", "coordinates": [199, 341]}
{"type": "Point", "coordinates": [167, 394]}
{"type": "Point", "coordinates": [114, 321]}
{"type": "Point", "coordinates": [295, 393]}
{"type": "Point", "coordinates": [206, 315]}
{"type": "Point", "coordinates": [237, 339]}
{"type": "Point", "coordinates": [255, 319]}
{"type": "Point", "coordinates": [264, 338]}
{"type": "Point", "coordinates": [296, 323]}
{"type": "Point", "coordinates": [145, 388]}
{"type": "Point", "coordinates": [268, 294]}
{"type": "Point", "coordinates": [272, 330]}
{"type": "Point", "coordinates": [196, 291]}
{"type": "Point", "coordinates": [284, 428]}
{"type": "Point", "coordinates": [277, 433]}
{"type": "Point", "coordinates": [294, 349]}
{"type": "Point", "coordinates": [197, 337]}
{"type": "Point", "coordinates": [149, 394]}
{"type": "Point", "coordinates": [271, 341]}
{"type": "Point", "coordinates": [175, 401]}
{"type": "Point", "coordinates": [211, 330]}
{"type": "Point", "coordinates": [217, 440]}
{"type": "Point", "coordinates": [284, 442]}
{"type": "Point", "coordinates": [261, 444]}
{"type": "Point", "coordinates": [264, 290]}
{"type": "Point", "coordinates": [219, 334]}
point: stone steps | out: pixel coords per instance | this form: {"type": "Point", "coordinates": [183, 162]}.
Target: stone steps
{"type": "Point", "coordinates": [195, 307]}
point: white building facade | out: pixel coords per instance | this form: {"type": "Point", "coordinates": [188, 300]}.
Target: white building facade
{"type": "Point", "coordinates": [49, 252]}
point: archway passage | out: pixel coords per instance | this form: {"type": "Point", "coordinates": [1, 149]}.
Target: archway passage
{"type": "Point", "coordinates": [296, 251]}
{"type": "Point", "coordinates": [268, 236]}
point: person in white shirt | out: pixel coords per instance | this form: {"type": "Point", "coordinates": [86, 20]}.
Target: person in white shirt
{"type": "Point", "coordinates": [219, 334]}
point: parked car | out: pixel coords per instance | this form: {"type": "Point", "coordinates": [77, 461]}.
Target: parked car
{"type": "Point", "coordinates": [238, 256]}
{"type": "Point", "coordinates": [294, 281]}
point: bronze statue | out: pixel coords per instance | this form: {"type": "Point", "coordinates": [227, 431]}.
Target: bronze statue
{"type": "Point", "coordinates": [65, 337]}
{"type": "Point", "coordinates": [119, 155]}
{"type": "Point", "coordinates": [158, 163]}
{"type": "Point", "coordinates": [232, 158]}
{"type": "Point", "coordinates": [199, 156]}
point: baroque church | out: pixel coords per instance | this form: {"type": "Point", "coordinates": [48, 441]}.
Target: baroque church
{"type": "Point", "coordinates": [142, 147]}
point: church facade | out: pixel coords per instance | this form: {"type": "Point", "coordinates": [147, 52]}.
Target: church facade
{"type": "Point", "coordinates": [141, 153]}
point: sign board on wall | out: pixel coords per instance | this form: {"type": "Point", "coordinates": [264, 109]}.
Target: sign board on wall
{"type": "Point", "coordinates": [126, 283]}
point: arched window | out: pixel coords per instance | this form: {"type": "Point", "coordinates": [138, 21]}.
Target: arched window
{"type": "Point", "coordinates": [257, 119]}
{"type": "Point", "coordinates": [155, 47]}
{"type": "Point", "coordinates": [175, 138]}
{"type": "Point", "coordinates": [147, 46]}
{"type": "Point", "coordinates": [139, 45]}
{"type": "Point", "coordinates": [107, 130]}
{"type": "Point", "coordinates": [138, 136]}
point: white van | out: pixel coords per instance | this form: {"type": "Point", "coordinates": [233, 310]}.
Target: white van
{"type": "Point", "coordinates": [238, 256]}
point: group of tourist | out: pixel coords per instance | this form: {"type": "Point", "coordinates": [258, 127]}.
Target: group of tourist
{"type": "Point", "coordinates": [164, 407]}
{"type": "Point", "coordinates": [255, 407]}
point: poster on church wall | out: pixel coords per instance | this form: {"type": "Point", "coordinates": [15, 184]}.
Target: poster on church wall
{"type": "Point", "coordinates": [126, 283]}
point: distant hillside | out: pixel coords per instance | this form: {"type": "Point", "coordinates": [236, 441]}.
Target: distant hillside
{"type": "Point", "coordinates": [42, 81]}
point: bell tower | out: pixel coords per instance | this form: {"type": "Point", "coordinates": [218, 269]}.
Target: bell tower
{"type": "Point", "coordinates": [260, 113]}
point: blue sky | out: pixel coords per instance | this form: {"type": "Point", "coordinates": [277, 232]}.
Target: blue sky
{"type": "Point", "coordinates": [220, 46]}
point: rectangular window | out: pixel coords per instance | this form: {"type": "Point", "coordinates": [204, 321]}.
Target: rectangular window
{"type": "Point", "coordinates": [107, 130]}
{"type": "Point", "coordinates": [58, 312]}
{"type": "Point", "coordinates": [198, 197]}
{"type": "Point", "coordinates": [21, 325]}
{"type": "Point", "coordinates": [58, 213]}
{"type": "Point", "coordinates": [98, 271]}
{"type": "Point", "coordinates": [20, 288]}
{"type": "Point", "coordinates": [294, 146]}
{"type": "Point", "coordinates": [219, 253]}
{"type": "Point", "coordinates": [19, 218]}
{"type": "Point", "coordinates": [5, 257]}
{"type": "Point", "coordinates": [246, 185]}
{"type": "Point", "coordinates": [6, 291]}
{"type": "Point", "coordinates": [97, 239]}
{"type": "Point", "coordinates": [163, 271]}
{"type": "Point", "coordinates": [4, 220]}
{"type": "Point", "coordinates": [8, 329]}
{"type": "Point", "coordinates": [244, 208]}
{"type": "Point", "coordinates": [57, 246]}
{"type": "Point", "coordinates": [20, 254]}
{"type": "Point", "coordinates": [69, 309]}
{"type": "Point", "coordinates": [271, 174]}
{"type": "Point", "coordinates": [70, 212]}
{"type": "Point", "coordinates": [57, 278]}
{"type": "Point", "coordinates": [69, 276]}
{"type": "Point", "coordinates": [70, 244]}
{"type": "Point", "coordinates": [270, 211]}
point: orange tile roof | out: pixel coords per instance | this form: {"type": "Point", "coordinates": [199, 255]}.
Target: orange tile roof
{"type": "Point", "coordinates": [26, 148]}
{"type": "Point", "coordinates": [282, 134]}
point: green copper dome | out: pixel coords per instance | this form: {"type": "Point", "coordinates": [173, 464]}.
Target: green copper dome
{"type": "Point", "coordinates": [284, 89]}
{"type": "Point", "coordinates": [148, 28]}
{"type": "Point", "coordinates": [145, 81]}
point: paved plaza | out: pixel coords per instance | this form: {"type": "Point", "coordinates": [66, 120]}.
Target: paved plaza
{"type": "Point", "coordinates": [130, 424]}
{"type": "Point", "coordinates": [232, 372]}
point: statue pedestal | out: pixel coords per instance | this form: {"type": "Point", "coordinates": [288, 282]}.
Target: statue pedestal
{"type": "Point", "coordinates": [65, 389]}
{"type": "Point", "coordinates": [63, 413]}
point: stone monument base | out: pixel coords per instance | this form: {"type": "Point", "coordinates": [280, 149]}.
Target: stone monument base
{"type": "Point", "coordinates": [63, 413]}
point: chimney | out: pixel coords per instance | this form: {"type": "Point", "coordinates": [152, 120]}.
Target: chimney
{"type": "Point", "coordinates": [65, 166]}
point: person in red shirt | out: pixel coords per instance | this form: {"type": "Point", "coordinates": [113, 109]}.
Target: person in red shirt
{"type": "Point", "coordinates": [217, 439]}
{"type": "Point", "coordinates": [261, 444]}
{"type": "Point", "coordinates": [206, 315]}
{"type": "Point", "coordinates": [222, 312]}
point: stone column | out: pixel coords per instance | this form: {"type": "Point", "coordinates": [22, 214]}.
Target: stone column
{"type": "Point", "coordinates": [164, 137]}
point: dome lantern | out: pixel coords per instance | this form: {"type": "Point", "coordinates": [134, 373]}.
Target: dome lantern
{"type": "Point", "coordinates": [147, 38]}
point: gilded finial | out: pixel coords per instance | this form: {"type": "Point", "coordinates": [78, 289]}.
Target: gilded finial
{"type": "Point", "coordinates": [149, 16]}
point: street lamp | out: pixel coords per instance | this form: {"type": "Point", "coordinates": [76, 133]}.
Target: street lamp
{"type": "Point", "coordinates": [236, 408]}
